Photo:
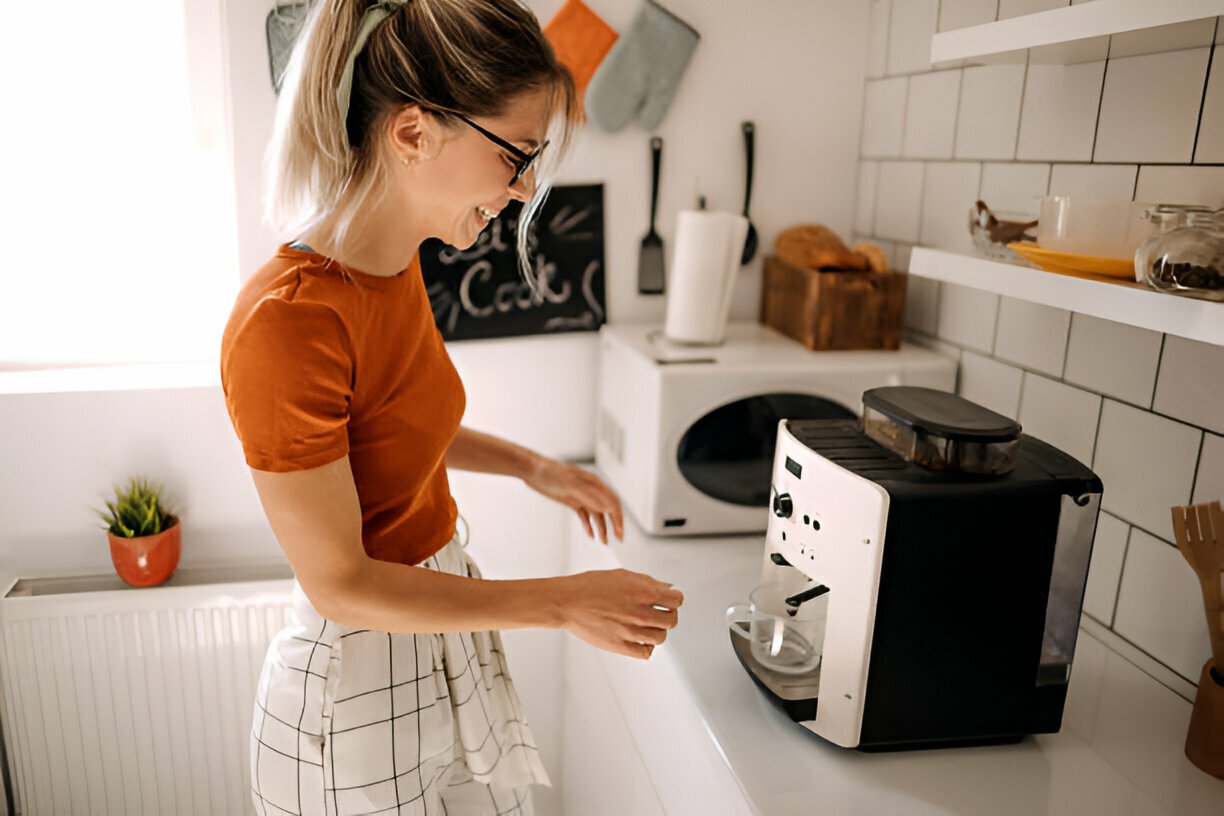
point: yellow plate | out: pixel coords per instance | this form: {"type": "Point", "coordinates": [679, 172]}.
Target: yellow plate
{"type": "Point", "coordinates": [1069, 263]}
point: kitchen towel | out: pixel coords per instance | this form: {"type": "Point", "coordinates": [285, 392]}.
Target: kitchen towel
{"type": "Point", "coordinates": [641, 72]}
{"type": "Point", "coordinates": [703, 272]}
{"type": "Point", "coordinates": [580, 39]}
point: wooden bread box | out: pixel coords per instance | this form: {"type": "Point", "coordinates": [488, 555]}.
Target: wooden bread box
{"type": "Point", "coordinates": [833, 310]}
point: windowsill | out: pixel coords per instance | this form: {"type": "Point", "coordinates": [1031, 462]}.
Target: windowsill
{"type": "Point", "coordinates": [131, 377]}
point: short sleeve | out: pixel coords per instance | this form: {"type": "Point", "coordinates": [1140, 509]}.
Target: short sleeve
{"type": "Point", "coordinates": [287, 374]}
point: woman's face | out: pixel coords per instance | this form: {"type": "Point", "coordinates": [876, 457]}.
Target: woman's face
{"type": "Point", "coordinates": [465, 182]}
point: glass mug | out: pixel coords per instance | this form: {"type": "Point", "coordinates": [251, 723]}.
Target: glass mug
{"type": "Point", "coordinates": [785, 644]}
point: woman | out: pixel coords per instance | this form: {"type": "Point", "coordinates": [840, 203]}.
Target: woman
{"type": "Point", "coordinates": [400, 121]}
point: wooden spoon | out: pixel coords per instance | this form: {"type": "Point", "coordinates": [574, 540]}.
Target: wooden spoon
{"type": "Point", "coordinates": [1199, 529]}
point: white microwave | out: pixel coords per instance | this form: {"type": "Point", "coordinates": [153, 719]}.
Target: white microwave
{"type": "Point", "coordinates": [686, 434]}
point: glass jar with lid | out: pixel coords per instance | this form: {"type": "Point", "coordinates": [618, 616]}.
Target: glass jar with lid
{"type": "Point", "coordinates": [1187, 256]}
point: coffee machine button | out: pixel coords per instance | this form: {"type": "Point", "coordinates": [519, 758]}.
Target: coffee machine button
{"type": "Point", "coordinates": [783, 506]}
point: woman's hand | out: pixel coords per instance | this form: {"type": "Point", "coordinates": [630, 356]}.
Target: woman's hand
{"type": "Point", "coordinates": [621, 611]}
{"type": "Point", "coordinates": [580, 490]}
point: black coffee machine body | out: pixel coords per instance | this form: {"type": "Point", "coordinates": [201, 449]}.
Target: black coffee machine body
{"type": "Point", "coordinates": [952, 552]}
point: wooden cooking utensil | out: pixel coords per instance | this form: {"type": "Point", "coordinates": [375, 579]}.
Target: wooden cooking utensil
{"type": "Point", "coordinates": [1199, 530]}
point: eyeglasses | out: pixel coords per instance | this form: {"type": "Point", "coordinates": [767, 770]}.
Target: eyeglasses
{"type": "Point", "coordinates": [523, 161]}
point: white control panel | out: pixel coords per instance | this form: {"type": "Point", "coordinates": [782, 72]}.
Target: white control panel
{"type": "Point", "coordinates": [829, 524]}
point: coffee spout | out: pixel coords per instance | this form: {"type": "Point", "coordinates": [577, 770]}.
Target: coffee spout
{"type": "Point", "coordinates": [794, 601]}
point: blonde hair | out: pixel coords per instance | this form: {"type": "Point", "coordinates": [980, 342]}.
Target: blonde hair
{"type": "Point", "coordinates": [467, 57]}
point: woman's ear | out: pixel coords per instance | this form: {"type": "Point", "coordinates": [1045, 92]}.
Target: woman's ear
{"type": "Point", "coordinates": [414, 135]}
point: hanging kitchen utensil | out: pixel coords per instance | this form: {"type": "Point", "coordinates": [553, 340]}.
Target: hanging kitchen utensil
{"type": "Point", "coordinates": [1199, 530]}
{"type": "Point", "coordinates": [750, 243]}
{"type": "Point", "coordinates": [282, 26]}
{"type": "Point", "coordinates": [650, 260]}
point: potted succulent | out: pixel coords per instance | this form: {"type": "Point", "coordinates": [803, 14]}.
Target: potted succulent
{"type": "Point", "coordinates": [144, 537]}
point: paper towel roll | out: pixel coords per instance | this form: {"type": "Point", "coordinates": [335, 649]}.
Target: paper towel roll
{"type": "Point", "coordinates": [705, 261]}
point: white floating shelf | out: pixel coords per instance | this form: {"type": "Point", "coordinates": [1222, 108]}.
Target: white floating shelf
{"type": "Point", "coordinates": [1061, 26]}
{"type": "Point", "coordinates": [1121, 302]}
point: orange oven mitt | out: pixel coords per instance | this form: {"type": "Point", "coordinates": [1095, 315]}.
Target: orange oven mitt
{"type": "Point", "coordinates": [580, 39]}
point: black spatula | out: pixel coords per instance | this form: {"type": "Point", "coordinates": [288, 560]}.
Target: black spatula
{"type": "Point", "coordinates": [650, 260]}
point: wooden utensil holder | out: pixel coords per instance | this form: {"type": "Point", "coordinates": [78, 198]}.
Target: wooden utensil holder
{"type": "Point", "coordinates": [828, 310]}
{"type": "Point", "coordinates": [1199, 530]}
{"type": "Point", "coordinates": [1205, 738]}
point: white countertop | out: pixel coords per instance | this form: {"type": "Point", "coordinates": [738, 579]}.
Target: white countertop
{"type": "Point", "coordinates": [1131, 763]}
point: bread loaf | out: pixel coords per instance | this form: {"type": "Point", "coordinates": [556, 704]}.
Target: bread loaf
{"type": "Point", "coordinates": [875, 256]}
{"type": "Point", "coordinates": [815, 246]}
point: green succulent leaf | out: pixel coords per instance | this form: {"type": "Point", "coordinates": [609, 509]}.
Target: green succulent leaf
{"type": "Point", "coordinates": [136, 511]}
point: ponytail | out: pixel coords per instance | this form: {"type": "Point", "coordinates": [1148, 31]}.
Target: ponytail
{"type": "Point", "coordinates": [465, 57]}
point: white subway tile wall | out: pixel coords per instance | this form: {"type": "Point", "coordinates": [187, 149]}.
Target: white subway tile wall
{"type": "Point", "coordinates": [1059, 116]}
{"type": "Point", "coordinates": [1060, 414]}
{"type": "Point", "coordinates": [1211, 128]}
{"type": "Point", "coordinates": [989, 112]}
{"type": "Point", "coordinates": [1014, 190]}
{"type": "Point", "coordinates": [1209, 482]}
{"type": "Point", "coordinates": [1175, 37]}
{"type": "Point", "coordinates": [1094, 180]}
{"type": "Point", "coordinates": [965, 13]}
{"type": "Point", "coordinates": [898, 210]}
{"type": "Point", "coordinates": [1183, 185]}
{"type": "Point", "coordinates": [864, 211]}
{"type": "Point", "coordinates": [967, 316]}
{"type": "Point", "coordinates": [1150, 108]}
{"type": "Point", "coordinates": [909, 35]}
{"type": "Point", "coordinates": [1032, 335]}
{"type": "Point", "coordinates": [1162, 613]}
{"type": "Point", "coordinates": [931, 123]}
{"type": "Point", "coordinates": [990, 383]}
{"type": "Point", "coordinates": [1016, 8]}
{"type": "Point", "coordinates": [1105, 569]}
{"type": "Point", "coordinates": [1113, 358]}
{"type": "Point", "coordinates": [1191, 383]}
{"type": "Point", "coordinates": [877, 41]}
{"type": "Point", "coordinates": [884, 117]}
{"type": "Point", "coordinates": [1145, 124]}
{"type": "Point", "coordinates": [947, 187]}
{"type": "Point", "coordinates": [921, 303]}
{"type": "Point", "coordinates": [1147, 464]}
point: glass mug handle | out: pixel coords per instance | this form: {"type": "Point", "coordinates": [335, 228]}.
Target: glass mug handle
{"type": "Point", "coordinates": [739, 614]}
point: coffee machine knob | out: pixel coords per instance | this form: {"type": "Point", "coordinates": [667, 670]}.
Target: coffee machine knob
{"type": "Point", "coordinates": [783, 506]}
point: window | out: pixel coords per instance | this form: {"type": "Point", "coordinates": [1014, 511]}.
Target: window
{"type": "Point", "coordinates": [116, 184]}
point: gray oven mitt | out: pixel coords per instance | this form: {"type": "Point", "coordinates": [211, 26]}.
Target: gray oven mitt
{"type": "Point", "coordinates": [640, 74]}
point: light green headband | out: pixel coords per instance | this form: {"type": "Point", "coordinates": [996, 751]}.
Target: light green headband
{"type": "Point", "coordinates": [370, 18]}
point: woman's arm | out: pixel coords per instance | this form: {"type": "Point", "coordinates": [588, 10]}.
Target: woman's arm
{"type": "Point", "coordinates": [484, 453]}
{"type": "Point", "coordinates": [581, 491]}
{"type": "Point", "coordinates": [316, 517]}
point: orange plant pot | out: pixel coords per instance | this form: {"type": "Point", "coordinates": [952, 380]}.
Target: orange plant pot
{"type": "Point", "coordinates": [147, 560]}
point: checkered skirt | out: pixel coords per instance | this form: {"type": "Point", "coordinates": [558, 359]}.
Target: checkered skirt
{"type": "Point", "coordinates": [353, 721]}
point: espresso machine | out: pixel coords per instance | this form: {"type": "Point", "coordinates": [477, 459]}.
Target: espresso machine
{"type": "Point", "coordinates": [948, 553]}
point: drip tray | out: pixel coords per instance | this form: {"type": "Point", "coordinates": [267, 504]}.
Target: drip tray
{"type": "Point", "coordinates": [791, 688]}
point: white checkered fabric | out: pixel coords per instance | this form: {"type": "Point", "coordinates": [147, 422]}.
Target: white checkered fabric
{"type": "Point", "coordinates": [351, 721]}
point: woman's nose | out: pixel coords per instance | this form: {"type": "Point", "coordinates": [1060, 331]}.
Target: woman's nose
{"type": "Point", "coordinates": [524, 187]}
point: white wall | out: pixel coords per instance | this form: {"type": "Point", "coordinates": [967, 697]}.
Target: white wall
{"type": "Point", "coordinates": [794, 67]}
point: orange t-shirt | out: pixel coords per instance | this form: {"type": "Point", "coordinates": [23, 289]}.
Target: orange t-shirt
{"type": "Point", "coordinates": [319, 360]}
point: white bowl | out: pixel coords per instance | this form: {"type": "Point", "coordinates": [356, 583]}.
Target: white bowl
{"type": "Point", "coordinates": [1103, 228]}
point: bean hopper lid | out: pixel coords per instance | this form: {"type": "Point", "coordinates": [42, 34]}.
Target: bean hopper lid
{"type": "Point", "coordinates": [940, 431]}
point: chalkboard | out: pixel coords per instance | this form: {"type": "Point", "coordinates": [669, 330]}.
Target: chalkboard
{"type": "Point", "coordinates": [479, 293]}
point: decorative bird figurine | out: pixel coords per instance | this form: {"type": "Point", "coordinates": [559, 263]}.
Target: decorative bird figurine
{"type": "Point", "coordinates": [1001, 232]}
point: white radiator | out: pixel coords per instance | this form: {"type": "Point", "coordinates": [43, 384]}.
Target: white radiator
{"type": "Point", "coordinates": [135, 701]}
